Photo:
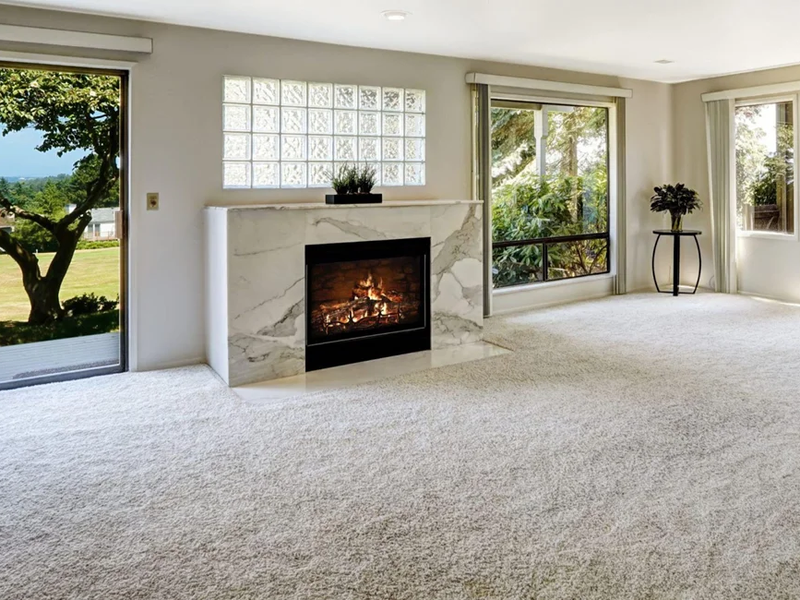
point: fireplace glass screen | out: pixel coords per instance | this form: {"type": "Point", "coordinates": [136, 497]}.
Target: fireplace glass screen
{"type": "Point", "coordinates": [362, 297]}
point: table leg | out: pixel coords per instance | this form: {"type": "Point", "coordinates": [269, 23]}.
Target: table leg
{"type": "Point", "coordinates": [699, 264]}
{"type": "Point", "coordinates": [653, 263]}
{"type": "Point", "coordinates": [676, 264]}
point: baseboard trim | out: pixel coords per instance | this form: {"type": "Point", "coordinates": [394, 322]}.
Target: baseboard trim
{"type": "Point", "coordinates": [562, 292]}
{"type": "Point", "coordinates": [756, 296]}
{"type": "Point", "coordinates": [177, 364]}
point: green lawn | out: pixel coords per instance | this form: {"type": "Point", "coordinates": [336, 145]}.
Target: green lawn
{"type": "Point", "coordinates": [91, 271]}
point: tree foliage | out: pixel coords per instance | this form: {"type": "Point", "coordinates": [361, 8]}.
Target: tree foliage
{"type": "Point", "coordinates": [761, 173]}
{"type": "Point", "coordinates": [537, 207]}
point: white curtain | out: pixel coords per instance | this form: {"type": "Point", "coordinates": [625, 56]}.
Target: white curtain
{"type": "Point", "coordinates": [620, 281]}
{"type": "Point", "coordinates": [720, 136]}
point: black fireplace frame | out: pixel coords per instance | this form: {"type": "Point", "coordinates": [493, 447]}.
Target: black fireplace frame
{"type": "Point", "coordinates": [369, 346]}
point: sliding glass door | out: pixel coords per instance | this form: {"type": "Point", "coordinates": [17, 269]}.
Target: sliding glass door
{"type": "Point", "coordinates": [62, 223]}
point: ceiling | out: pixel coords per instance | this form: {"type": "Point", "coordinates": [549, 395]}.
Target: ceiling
{"type": "Point", "coordinates": [704, 38]}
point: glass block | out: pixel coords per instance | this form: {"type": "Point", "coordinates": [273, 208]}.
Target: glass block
{"type": "Point", "coordinates": [344, 96]}
{"type": "Point", "coordinates": [236, 175]}
{"type": "Point", "coordinates": [320, 121]}
{"type": "Point", "coordinates": [392, 174]}
{"type": "Point", "coordinates": [369, 98]}
{"type": "Point", "coordinates": [393, 99]}
{"type": "Point", "coordinates": [293, 93]}
{"type": "Point", "coordinates": [266, 119]}
{"type": "Point", "coordinates": [392, 149]}
{"type": "Point", "coordinates": [266, 147]}
{"type": "Point", "coordinates": [344, 122]}
{"type": "Point", "coordinates": [369, 148]}
{"type": "Point", "coordinates": [320, 148]}
{"type": "Point", "coordinates": [415, 174]}
{"type": "Point", "coordinates": [346, 148]}
{"type": "Point", "coordinates": [415, 101]}
{"type": "Point", "coordinates": [320, 94]}
{"type": "Point", "coordinates": [415, 125]}
{"type": "Point", "coordinates": [293, 147]}
{"type": "Point", "coordinates": [415, 149]}
{"type": "Point", "coordinates": [266, 91]}
{"type": "Point", "coordinates": [266, 175]}
{"type": "Point", "coordinates": [392, 124]}
{"type": "Point", "coordinates": [293, 120]}
{"type": "Point", "coordinates": [319, 174]}
{"type": "Point", "coordinates": [369, 123]}
{"type": "Point", "coordinates": [237, 90]}
{"type": "Point", "coordinates": [236, 117]}
{"type": "Point", "coordinates": [237, 146]}
{"type": "Point", "coordinates": [294, 174]}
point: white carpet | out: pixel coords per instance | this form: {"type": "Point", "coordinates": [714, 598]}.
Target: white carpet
{"type": "Point", "coordinates": [632, 448]}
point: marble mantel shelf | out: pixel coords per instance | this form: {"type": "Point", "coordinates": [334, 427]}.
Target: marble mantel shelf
{"type": "Point", "coordinates": [322, 205]}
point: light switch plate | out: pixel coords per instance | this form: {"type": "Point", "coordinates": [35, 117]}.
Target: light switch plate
{"type": "Point", "coordinates": [152, 201]}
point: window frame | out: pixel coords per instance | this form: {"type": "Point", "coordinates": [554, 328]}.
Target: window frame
{"type": "Point", "coordinates": [612, 165]}
{"type": "Point", "coordinates": [794, 98]}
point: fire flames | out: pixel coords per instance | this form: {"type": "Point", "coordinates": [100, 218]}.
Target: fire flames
{"type": "Point", "coordinates": [370, 305]}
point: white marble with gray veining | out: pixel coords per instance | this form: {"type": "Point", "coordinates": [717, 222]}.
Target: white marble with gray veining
{"type": "Point", "coordinates": [265, 276]}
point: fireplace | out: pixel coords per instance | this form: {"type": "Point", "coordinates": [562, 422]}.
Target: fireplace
{"type": "Point", "coordinates": [366, 300]}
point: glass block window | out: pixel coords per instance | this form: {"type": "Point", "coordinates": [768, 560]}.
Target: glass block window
{"type": "Point", "coordinates": [293, 134]}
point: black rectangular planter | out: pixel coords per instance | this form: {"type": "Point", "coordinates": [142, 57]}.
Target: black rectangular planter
{"type": "Point", "coordinates": [353, 198]}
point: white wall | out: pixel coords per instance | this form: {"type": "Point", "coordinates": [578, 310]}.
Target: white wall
{"type": "Point", "coordinates": [649, 163]}
{"type": "Point", "coordinates": [176, 150]}
{"type": "Point", "coordinates": [765, 267]}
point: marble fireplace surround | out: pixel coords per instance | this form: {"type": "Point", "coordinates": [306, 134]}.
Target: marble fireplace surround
{"type": "Point", "coordinates": [255, 275]}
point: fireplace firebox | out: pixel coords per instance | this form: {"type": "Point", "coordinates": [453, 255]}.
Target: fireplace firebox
{"type": "Point", "coordinates": [366, 300]}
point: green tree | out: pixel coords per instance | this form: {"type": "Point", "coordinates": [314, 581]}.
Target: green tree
{"type": "Point", "coordinates": [513, 143]}
{"type": "Point", "coordinates": [50, 202]}
{"type": "Point", "coordinates": [73, 112]}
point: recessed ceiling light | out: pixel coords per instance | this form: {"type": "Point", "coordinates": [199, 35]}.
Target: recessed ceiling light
{"type": "Point", "coordinates": [395, 15]}
{"type": "Point", "coordinates": [664, 61]}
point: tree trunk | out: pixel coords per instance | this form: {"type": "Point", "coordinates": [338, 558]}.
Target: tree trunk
{"type": "Point", "coordinates": [45, 305]}
{"type": "Point", "coordinates": [43, 292]}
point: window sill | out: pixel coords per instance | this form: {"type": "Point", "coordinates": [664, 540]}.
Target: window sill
{"type": "Point", "coordinates": [767, 235]}
{"type": "Point", "coordinates": [513, 289]}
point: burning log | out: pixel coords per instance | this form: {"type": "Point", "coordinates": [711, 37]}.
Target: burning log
{"type": "Point", "coordinates": [369, 306]}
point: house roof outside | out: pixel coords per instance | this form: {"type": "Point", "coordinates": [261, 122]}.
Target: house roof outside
{"type": "Point", "coordinates": [104, 215]}
{"type": "Point", "coordinates": [99, 215]}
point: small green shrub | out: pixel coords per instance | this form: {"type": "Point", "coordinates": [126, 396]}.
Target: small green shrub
{"type": "Point", "coordinates": [366, 179]}
{"type": "Point", "coordinates": [345, 180]}
{"type": "Point", "coordinates": [97, 244]}
{"type": "Point", "coordinates": [19, 332]}
{"type": "Point", "coordinates": [88, 304]}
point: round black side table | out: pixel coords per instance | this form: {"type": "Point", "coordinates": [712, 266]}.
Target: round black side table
{"type": "Point", "coordinates": [676, 259]}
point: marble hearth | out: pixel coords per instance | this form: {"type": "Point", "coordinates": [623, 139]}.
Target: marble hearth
{"type": "Point", "coordinates": [255, 275]}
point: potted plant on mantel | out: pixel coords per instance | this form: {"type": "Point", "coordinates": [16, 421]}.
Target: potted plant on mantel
{"type": "Point", "coordinates": [677, 200]}
{"type": "Point", "coordinates": [353, 186]}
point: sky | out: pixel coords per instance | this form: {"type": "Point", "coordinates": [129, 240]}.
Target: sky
{"type": "Point", "coordinates": [19, 158]}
